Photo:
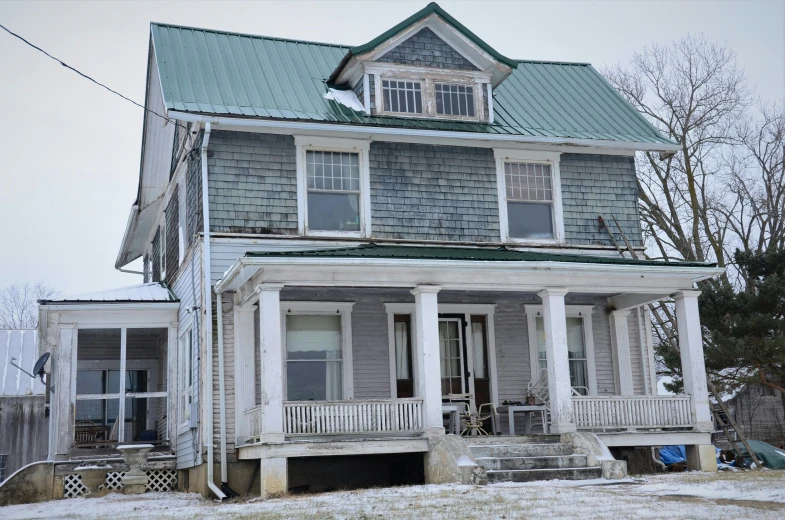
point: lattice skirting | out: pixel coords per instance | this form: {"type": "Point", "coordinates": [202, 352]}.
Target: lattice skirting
{"type": "Point", "coordinates": [158, 480]}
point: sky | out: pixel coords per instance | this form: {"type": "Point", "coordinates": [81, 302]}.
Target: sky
{"type": "Point", "coordinates": [70, 151]}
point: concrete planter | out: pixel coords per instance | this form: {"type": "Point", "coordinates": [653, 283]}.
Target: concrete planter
{"type": "Point", "coordinates": [135, 455]}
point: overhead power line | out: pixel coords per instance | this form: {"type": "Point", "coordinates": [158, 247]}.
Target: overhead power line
{"type": "Point", "coordinates": [39, 49]}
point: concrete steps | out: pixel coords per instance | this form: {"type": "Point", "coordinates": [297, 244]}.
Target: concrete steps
{"type": "Point", "coordinates": [526, 459]}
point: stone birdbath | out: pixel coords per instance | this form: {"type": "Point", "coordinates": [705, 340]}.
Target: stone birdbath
{"type": "Point", "coordinates": [135, 455]}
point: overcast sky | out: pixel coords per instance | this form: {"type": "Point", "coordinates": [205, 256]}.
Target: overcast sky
{"type": "Point", "coordinates": [69, 150]}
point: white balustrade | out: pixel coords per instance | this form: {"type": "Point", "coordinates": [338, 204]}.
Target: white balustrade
{"type": "Point", "coordinates": [353, 417]}
{"type": "Point", "coordinates": [253, 423]}
{"type": "Point", "coordinates": [628, 412]}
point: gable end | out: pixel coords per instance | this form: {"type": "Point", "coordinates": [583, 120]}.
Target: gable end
{"type": "Point", "coordinates": [426, 49]}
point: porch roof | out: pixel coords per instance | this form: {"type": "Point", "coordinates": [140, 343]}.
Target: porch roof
{"type": "Point", "coordinates": [144, 293]}
{"type": "Point", "coordinates": [497, 254]}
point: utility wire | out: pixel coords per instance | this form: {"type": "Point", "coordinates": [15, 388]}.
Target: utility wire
{"type": "Point", "coordinates": [39, 49]}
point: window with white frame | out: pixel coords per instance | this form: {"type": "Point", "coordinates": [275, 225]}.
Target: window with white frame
{"type": "Point", "coordinates": [580, 346]}
{"type": "Point", "coordinates": [185, 377]}
{"type": "Point", "coordinates": [318, 351]}
{"type": "Point", "coordinates": [529, 196]}
{"type": "Point", "coordinates": [454, 100]}
{"type": "Point", "coordinates": [403, 97]}
{"type": "Point", "coordinates": [333, 186]}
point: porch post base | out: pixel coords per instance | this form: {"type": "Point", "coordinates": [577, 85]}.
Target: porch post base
{"type": "Point", "coordinates": [449, 461]}
{"type": "Point", "coordinates": [271, 438]}
{"type": "Point", "coordinates": [563, 428]}
{"type": "Point", "coordinates": [701, 457]}
{"type": "Point", "coordinates": [434, 431]}
{"type": "Point", "coordinates": [274, 478]}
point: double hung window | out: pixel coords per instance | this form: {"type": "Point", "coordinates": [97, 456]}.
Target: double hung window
{"type": "Point", "coordinates": [454, 100]}
{"type": "Point", "coordinates": [529, 196]}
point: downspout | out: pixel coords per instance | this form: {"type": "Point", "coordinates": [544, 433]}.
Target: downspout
{"type": "Point", "coordinates": [222, 399]}
{"type": "Point", "coordinates": [208, 321]}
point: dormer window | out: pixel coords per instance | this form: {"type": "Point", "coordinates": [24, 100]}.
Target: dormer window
{"type": "Point", "coordinates": [454, 100]}
{"type": "Point", "coordinates": [404, 97]}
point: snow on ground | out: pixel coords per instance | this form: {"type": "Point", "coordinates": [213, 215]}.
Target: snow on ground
{"type": "Point", "coordinates": [758, 495]}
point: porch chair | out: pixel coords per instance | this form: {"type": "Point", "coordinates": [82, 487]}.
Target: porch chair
{"type": "Point", "coordinates": [474, 421]}
{"type": "Point", "coordinates": [85, 433]}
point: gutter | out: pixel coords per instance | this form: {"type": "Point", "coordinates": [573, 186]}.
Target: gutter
{"type": "Point", "coordinates": [382, 131]}
{"type": "Point", "coordinates": [208, 321]}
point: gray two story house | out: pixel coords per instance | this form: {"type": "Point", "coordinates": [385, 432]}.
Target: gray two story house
{"type": "Point", "coordinates": [351, 251]}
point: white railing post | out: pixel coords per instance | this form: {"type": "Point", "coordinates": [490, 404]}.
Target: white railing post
{"type": "Point", "coordinates": [271, 356]}
{"type": "Point", "coordinates": [427, 347]}
{"type": "Point", "coordinates": [559, 388]}
{"type": "Point", "coordinates": [693, 365]}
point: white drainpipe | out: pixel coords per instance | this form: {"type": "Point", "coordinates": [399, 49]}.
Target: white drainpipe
{"type": "Point", "coordinates": [208, 321]}
{"type": "Point", "coordinates": [222, 390]}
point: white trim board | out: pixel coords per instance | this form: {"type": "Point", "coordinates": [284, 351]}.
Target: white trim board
{"type": "Point", "coordinates": [585, 312]}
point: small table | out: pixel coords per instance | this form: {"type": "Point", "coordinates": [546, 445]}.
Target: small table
{"type": "Point", "coordinates": [528, 410]}
{"type": "Point", "coordinates": [455, 419]}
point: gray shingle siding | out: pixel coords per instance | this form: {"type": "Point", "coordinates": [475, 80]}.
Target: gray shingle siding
{"type": "Point", "coordinates": [252, 183]}
{"type": "Point", "coordinates": [595, 185]}
{"type": "Point", "coordinates": [427, 192]}
{"type": "Point", "coordinates": [426, 49]}
{"type": "Point", "coordinates": [372, 89]}
{"type": "Point", "coordinates": [172, 237]}
{"type": "Point", "coordinates": [358, 90]}
{"type": "Point", "coordinates": [157, 255]}
{"type": "Point", "coordinates": [193, 193]}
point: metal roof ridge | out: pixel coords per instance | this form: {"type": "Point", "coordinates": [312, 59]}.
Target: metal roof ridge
{"type": "Point", "coordinates": [557, 62]}
{"type": "Point", "coordinates": [249, 35]}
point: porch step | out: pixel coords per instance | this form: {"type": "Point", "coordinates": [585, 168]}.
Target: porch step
{"type": "Point", "coordinates": [512, 439]}
{"type": "Point", "coordinates": [519, 450]}
{"type": "Point", "coordinates": [546, 462]}
{"type": "Point", "coordinates": [530, 475]}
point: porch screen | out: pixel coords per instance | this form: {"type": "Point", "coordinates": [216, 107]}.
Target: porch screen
{"type": "Point", "coordinates": [576, 350]}
{"type": "Point", "coordinates": [314, 358]}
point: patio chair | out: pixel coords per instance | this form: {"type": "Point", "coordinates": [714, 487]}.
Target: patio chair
{"type": "Point", "coordinates": [474, 421]}
{"type": "Point", "coordinates": [85, 433]}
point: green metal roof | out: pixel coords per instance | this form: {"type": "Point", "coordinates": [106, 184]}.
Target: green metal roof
{"type": "Point", "coordinates": [466, 254]}
{"type": "Point", "coordinates": [232, 74]}
{"type": "Point", "coordinates": [432, 8]}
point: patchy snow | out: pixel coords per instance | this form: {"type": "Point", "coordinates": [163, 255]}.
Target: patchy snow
{"type": "Point", "coordinates": [345, 97]}
{"type": "Point", "coordinates": [758, 495]}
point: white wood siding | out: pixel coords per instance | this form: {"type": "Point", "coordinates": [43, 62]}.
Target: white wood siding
{"type": "Point", "coordinates": [188, 288]}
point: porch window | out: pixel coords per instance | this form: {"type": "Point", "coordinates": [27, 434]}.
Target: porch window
{"type": "Point", "coordinates": [576, 351]}
{"type": "Point", "coordinates": [314, 358]}
{"type": "Point", "coordinates": [404, 374]}
{"type": "Point", "coordinates": [482, 377]}
{"type": "Point", "coordinates": [185, 377]}
{"type": "Point", "coordinates": [333, 190]}
{"type": "Point", "coordinates": [162, 248]}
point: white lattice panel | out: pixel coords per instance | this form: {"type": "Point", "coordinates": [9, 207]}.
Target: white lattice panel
{"type": "Point", "coordinates": [74, 487]}
{"type": "Point", "coordinates": [161, 479]}
{"type": "Point", "coordinates": [113, 481]}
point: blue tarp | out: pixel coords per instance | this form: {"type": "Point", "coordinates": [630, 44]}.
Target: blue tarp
{"type": "Point", "coordinates": [673, 454]}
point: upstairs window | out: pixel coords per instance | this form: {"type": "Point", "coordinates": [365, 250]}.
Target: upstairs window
{"type": "Point", "coordinates": [529, 196]}
{"type": "Point", "coordinates": [333, 187]}
{"type": "Point", "coordinates": [454, 100]}
{"type": "Point", "coordinates": [402, 96]}
{"type": "Point", "coordinates": [529, 200]}
{"type": "Point", "coordinates": [333, 190]}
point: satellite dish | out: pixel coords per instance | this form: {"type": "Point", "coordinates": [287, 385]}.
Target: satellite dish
{"type": "Point", "coordinates": [38, 369]}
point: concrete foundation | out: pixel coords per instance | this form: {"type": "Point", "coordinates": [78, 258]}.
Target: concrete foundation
{"type": "Point", "coordinates": [449, 461]}
{"type": "Point", "coordinates": [273, 475]}
{"type": "Point", "coordinates": [194, 480]}
{"type": "Point", "coordinates": [702, 457]}
{"type": "Point", "coordinates": [33, 483]}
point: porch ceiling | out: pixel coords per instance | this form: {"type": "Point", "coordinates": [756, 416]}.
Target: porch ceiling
{"type": "Point", "coordinates": [455, 268]}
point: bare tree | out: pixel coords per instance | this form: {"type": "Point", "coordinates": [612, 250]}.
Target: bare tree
{"type": "Point", "coordinates": [19, 304]}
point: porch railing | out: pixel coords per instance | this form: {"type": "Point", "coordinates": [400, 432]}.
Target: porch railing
{"type": "Point", "coordinates": [253, 424]}
{"type": "Point", "coordinates": [353, 417]}
{"type": "Point", "coordinates": [635, 412]}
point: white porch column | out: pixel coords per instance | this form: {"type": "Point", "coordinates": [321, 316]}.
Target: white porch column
{"type": "Point", "coordinates": [693, 366]}
{"type": "Point", "coordinates": [559, 388]}
{"type": "Point", "coordinates": [428, 378]}
{"type": "Point", "coordinates": [244, 369]}
{"type": "Point", "coordinates": [620, 341]}
{"type": "Point", "coordinates": [271, 356]}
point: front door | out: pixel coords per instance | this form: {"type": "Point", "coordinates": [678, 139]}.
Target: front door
{"type": "Point", "coordinates": [452, 355]}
